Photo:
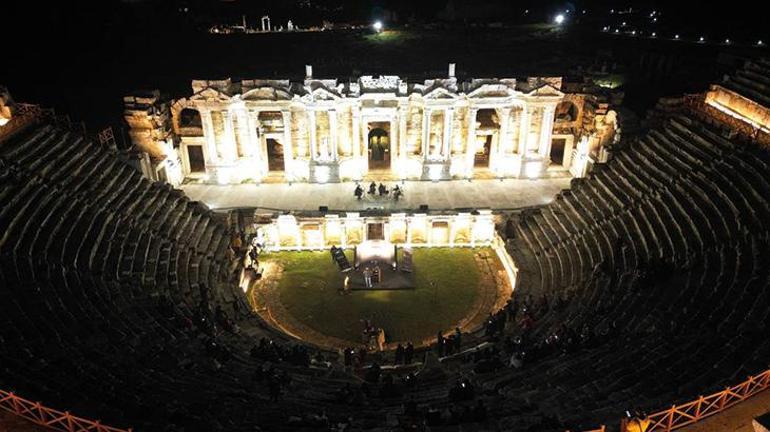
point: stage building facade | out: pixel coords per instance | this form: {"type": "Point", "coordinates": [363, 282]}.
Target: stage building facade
{"type": "Point", "coordinates": [324, 130]}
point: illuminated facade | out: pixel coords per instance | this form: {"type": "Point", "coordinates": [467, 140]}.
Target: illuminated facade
{"type": "Point", "coordinates": [324, 130]}
{"type": "Point", "coordinates": [288, 232]}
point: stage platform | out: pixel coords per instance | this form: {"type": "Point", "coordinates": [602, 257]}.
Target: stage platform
{"type": "Point", "coordinates": [391, 280]}
{"type": "Point", "coordinates": [378, 258]}
{"type": "Point", "coordinates": [444, 195]}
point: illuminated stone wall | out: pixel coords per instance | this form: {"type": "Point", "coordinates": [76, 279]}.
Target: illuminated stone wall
{"type": "Point", "coordinates": [431, 126]}
{"type": "Point", "coordinates": [739, 107]}
{"type": "Point", "coordinates": [287, 232]}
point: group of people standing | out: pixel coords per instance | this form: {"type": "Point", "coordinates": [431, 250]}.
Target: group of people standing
{"type": "Point", "coordinates": [396, 192]}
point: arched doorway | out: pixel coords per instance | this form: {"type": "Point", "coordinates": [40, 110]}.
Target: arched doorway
{"type": "Point", "coordinates": [271, 125]}
{"type": "Point", "coordinates": [566, 112]}
{"type": "Point", "coordinates": [190, 118]}
{"type": "Point", "coordinates": [487, 128]}
{"type": "Point", "coordinates": [379, 146]}
{"type": "Point", "coordinates": [275, 155]}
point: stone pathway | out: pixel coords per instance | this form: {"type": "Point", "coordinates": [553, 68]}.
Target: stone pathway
{"type": "Point", "coordinates": [445, 195]}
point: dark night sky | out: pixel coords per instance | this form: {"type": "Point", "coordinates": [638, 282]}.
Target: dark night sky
{"type": "Point", "coordinates": [70, 54]}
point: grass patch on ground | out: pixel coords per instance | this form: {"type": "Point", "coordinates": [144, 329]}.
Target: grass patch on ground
{"type": "Point", "coordinates": [310, 283]}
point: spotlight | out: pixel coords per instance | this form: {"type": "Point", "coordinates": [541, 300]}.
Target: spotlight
{"type": "Point", "coordinates": [377, 26]}
{"type": "Point", "coordinates": [559, 19]}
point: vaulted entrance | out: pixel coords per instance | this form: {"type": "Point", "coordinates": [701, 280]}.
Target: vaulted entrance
{"type": "Point", "coordinates": [557, 150]}
{"type": "Point", "coordinates": [379, 145]}
{"type": "Point", "coordinates": [195, 159]}
{"type": "Point", "coordinates": [275, 155]}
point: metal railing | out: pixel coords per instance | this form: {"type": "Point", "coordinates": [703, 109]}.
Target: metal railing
{"type": "Point", "coordinates": [51, 418]}
{"type": "Point", "coordinates": [696, 410]}
{"type": "Point", "coordinates": [682, 415]}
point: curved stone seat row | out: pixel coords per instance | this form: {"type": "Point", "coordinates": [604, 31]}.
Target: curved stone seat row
{"type": "Point", "coordinates": [663, 249]}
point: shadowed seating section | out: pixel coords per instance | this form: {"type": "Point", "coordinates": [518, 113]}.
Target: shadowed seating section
{"type": "Point", "coordinates": [662, 256]}
{"type": "Point", "coordinates": [107, 282]}
{"type": "Point", "coordinates": [112, 292]}
{"type": "Point", "coordinates": [752, 82]}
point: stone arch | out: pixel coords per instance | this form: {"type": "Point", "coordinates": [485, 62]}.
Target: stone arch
{"type": "Point", "coordinates": [190, 117]}
{"type": "Point", "coordinates": [177, 108]}
{"type": "Point", "coordinates": [566, 112]}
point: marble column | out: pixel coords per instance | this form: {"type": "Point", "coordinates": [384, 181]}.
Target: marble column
{"type": "Point", "coordinates": [504, 141]}
{"type": "Point", "coordinates": [446, 145]}
{"type": "Point", "coordinates": [470, 140]}
{"type": "Point", "coordinates": [288, 146]}
{"type": "Point", "coordinates": [209, 136]}
{"type": "Point", "coordinates": [403, 114]}
{"type": "Point", "coordinates": [248, 134]}
{"type": "Point", "coordinates": [393, 139]}
{"type": "Point", "coordinates": [312, 132]}
{"type": "Point", "coordinates": [524, 131]}
{"type": "Point", "coordinates": [229, 150]}
{"type": "Point", "coordinates": [546, 131]}
{"type": "Point", "coordinates": [425, 132]}
{"type": "Point", "coordinates": [356, 131]}
{"type": "Point", "coordinates": [333, 130]}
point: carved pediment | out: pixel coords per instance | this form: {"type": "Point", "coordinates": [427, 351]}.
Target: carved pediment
{"type": "Point", "coordinates": [210, 94]}
{"type": "Point", "coordinates": [546, 90]}
{"type": "Point", "coordinates": [492, 91]}
{"type": "Point", "coordinates": [320, 94]}
{"type": "Point", "coordinates": [267, 93]}
{"type": "Point", "coordinates": [440, 93]}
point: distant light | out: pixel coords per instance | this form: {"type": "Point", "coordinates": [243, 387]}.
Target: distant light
{"type": "Point", "coordinates": [701, 39]}
{"type": "Point", "coordinates": [654, 34]}
{"type": "Point", "coordinates": [377, 26]}
{"type": "Point", "coordinates": [760, 43]}
{"type": "Point", "coordinates": [633, 32]}
{"type": "Point", "coordinates": [526, 11]}
{"type": "Point", "coordinates": [559, 19]}
{"type": "Point", "coordinates": [727, 41]}
{"type": "Point", "coordinates": [617, 31]}
{"type": "Point", "coordinates": [612, 11]}
{"type": "Point", "coordinates": [654, 20]}
{"type": "Point", "coordinates": [584, 11]}
{"type": "Point", "coordinates": [676, 37]}
{"type": "Point", "coordinates": [624, 24]}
